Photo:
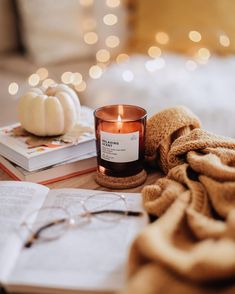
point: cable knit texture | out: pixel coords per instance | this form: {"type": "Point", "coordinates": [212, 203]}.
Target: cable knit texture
{"type": "Point", "coordinates": [193, 238]}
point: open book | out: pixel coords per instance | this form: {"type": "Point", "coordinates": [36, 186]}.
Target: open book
{"type": "Point", "coordinates": [86, 259]}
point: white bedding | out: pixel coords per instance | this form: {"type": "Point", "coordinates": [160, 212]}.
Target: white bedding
{"type": "Point", "coordinates": [209, 90]}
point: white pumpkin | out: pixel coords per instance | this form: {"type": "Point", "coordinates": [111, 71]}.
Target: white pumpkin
{"type": "Point", "coordinates": [49, 111]}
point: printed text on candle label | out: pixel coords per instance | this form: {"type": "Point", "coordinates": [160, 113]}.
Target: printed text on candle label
{"type": "Point", "coordinates": [119, 147]}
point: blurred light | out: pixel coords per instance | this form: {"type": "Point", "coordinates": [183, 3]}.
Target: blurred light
{"type": "Point", "coordinates": [95, 72]}
{"type": "Point", "coordinates": [224, 40]}
{"type": "Point", "coordinates": [191, 65]}
{"type": "Point", "coordinates": [154, 51]}
{"type": "Point", "coordinates": [113, 3]}
{"type": "Point", "coordinates": [90, 38]}
{"type": "Point", "coordinates": [81, 87]}
{"type": "Point", "coordinates": [128, 76]}
{"type": "Point", "coordinates": [86, 2]}
{"type": "Point", "coordinates": [122, 57]}
{"type": "Point", "coordinates": [48, 82]}
{"type": "Point", "coordinates": [162, 38]}
{"type": "Point", "coordinates": [89, 24]}
{"type": "Point", "coordinates": [103, 66]}
{"type": "Point", "coordinates": [67, 77]}
{"type": "Point", "coordinates": [112, 41]}
{"type": "Point", "coordinates": [194, 36]}
{"type": "Point", "coordinates": [77, 78]}
{"type": "Point", "coordinates": [155, 64]}
{"type": "Point", "coordinates": [13, 88]}
{"type": "Point", "coordinates": [110, 19]}
{"type": "Point", "coordinates": [43, 73]}
{"type": "Point", "coordinates": [202, 55]}
{"type": "Point", "coordinates": [34, 79]}
{"type": "Point", "coordinates": [103, 55]}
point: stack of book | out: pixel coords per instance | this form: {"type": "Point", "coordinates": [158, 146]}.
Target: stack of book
{"type": "Point", "coordinates": [28, 158]}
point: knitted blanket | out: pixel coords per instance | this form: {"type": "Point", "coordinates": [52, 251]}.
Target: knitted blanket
{"type": "Point", "coordinates": [193, 239]}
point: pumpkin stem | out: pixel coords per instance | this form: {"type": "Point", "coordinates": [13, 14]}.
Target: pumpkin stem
{"type": "Point", "coordinates": [50, 91]}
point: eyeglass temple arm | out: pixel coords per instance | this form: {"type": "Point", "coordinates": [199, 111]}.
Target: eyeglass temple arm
{"type": "Point", "coordinates": [36, 234]}
{"type": "Point", "coordinates": [124, 212]}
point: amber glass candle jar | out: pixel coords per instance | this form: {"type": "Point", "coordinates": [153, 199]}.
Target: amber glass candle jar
{"type": "Point", "coordinates": [120, 136]}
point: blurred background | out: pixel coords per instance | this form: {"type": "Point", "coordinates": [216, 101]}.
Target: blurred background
{"type": "Point", "coordinates": [152, 53]}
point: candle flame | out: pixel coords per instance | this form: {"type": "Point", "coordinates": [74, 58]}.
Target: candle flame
{"type": "Point", "coordinates": [119, 123]}
{"type": "Point", "coordinates": [119, 119]}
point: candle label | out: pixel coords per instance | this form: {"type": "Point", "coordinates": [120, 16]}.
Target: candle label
{"type": "Point", "coordinates": [119, 147]}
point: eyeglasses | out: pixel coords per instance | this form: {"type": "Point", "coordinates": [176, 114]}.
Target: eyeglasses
{"type": "Point", "coordinates": [50, 223]}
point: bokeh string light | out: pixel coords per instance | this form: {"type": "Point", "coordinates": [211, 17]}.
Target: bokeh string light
{"type": "Point", "coordinates": [202, 55]}
{"type": "Point", "coordinates": [104, 46]}
{"type": "Point", "coordinates": [90, 38]}
{"type": "Point", "coordinates": [13, 88]}
{"type": "Point", "coordinates": [103, 55]}
{"type": "Point", "coordinates": [43, 73]}
{"type": "Point", "coordinates": [113, 3]}
{"type": "Point", "coordinates": [162, 38]}
{"type": "Point", "coordinates": [155, 64]}
{"type": "Point", "coordinates": [77, 78]}
{"type": "Point", "coordinates": [67, 77]}
{"type": "Point", "coordinates": [224, 40]}
{"type": "Point", "coordinates": [81, 87]}
{"type": "Point", "coordinates": [128, 76]}
{"type": "Point", "coordinates": [112, 41]}
{"type": "Point", "coordinates": [154, 51]}
{"type": "Point", "coordinates": [122, 57]}
{"type": "Point", "coordinates": [34, 80]}
{"type": "Point", "coordinates": [47, 83]}
{"type": "Point", "coordinates": [95, 72]}
{"type": "Point", "coordinates": [110, 19]}
{"type": "Point", "coordinates": [195, 36]}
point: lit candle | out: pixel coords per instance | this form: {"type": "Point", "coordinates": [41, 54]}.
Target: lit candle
{"type": "Point", "coordinates": [120, 131]}
{"type": "Point", "coordinates": [119, 123]}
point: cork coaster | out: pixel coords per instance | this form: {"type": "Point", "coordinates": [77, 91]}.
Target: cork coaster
{"type": "Point", "coordinates": [121, 183]}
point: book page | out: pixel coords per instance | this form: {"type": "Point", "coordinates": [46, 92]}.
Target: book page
{"type": "Point", "coordinates": [90, 256]}
{"type": "Point", "coordinates": [17, 199]}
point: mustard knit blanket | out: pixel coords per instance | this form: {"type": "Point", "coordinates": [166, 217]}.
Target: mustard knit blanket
{"type": "Point", "coordinates": [194, 236]}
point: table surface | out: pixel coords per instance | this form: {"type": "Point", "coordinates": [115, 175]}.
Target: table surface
{"type": "Point", "coordinates": [87, 181]}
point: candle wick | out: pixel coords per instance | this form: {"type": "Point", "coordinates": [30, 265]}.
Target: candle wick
{"type": "Point", "coordinates": [119, 123]}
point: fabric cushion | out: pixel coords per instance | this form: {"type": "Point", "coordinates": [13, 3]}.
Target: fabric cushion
{"type": "Point", "coordinates": [53, 30]}
{"type": "Point", "coordinates": [8, 36]}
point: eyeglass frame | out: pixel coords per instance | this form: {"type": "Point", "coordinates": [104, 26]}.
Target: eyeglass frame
{"type": "Point", "coordinates": [71, 219]}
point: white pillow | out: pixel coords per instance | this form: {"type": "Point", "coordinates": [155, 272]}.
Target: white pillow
{"type": "Point", "coordinates": [8, 38]}
{"type": "Point", "coordinates": [53, 30]}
